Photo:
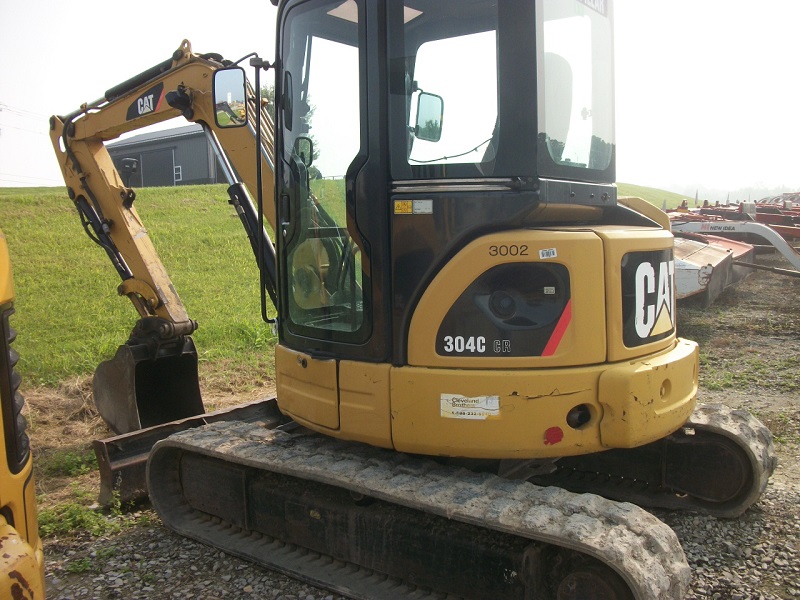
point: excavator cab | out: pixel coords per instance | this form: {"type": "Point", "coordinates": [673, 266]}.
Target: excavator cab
{"type": "Point", "coordinates": [426, 135]}
{"type": "Point", "coordinates": [455, 224]}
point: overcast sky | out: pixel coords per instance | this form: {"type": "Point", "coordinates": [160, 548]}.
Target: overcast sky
{"type": "Point", "coordinates": [707, 90]}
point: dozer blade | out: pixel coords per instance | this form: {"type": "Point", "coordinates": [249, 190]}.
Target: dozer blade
{"type": "Point", "coordinates": [135, 390]}
{"type": "Point", "coordinates": [122, 459]}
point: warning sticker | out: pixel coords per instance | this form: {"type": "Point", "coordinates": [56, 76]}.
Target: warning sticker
{"type": "Point", "coordinates": [456, 406]}
{"type": "Point", "coordinates": [403, 207]}
{"type": "Point", "coordinates": [423, 207]}
{"type": "Point", "coordinates": [413, 207]}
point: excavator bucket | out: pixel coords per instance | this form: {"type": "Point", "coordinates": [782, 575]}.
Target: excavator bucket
{"type": "Point", "coordinates": [136, 389]}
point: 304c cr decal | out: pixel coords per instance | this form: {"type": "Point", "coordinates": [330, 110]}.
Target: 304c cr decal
{"type": "Point", "coordinates": [511, 310]}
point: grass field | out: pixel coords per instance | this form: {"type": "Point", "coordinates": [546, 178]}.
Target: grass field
{"type": "Point", "coordinates": [68, 314]}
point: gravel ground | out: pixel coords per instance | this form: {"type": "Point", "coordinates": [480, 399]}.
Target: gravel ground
{"type": "Point", "coordinates": [148, 563]}
{"type": "Point", "coordinates": [754, 556]}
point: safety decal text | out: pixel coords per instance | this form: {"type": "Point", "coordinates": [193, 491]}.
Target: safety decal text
{"type": "Point", "coordinates": [478, 408]}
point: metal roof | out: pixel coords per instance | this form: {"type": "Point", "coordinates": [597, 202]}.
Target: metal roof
{"type": "Point", "coordinates": [154, 136]}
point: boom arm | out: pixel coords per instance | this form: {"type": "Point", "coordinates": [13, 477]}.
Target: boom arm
{"type": "Point", "coordinates": [179, 86]}
{"type": "Point", "coordinates": [153, 377]}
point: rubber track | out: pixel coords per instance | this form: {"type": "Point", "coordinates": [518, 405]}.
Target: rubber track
{"type": "Point", "coordinates": [642, 549]}
{"type": "Point", "coordinates": [750, 435]}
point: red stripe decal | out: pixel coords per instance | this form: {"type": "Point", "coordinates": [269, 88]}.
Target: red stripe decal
{"type": "Point", "coordinates": [558, 332]}
{"type": "Point", "coordinates": [160, 100]}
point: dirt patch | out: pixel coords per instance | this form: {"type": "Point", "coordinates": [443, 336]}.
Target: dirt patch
{"type": "Point", "coordinates": [63, 422]}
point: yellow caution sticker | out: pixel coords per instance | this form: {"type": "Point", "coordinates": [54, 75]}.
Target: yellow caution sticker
{"type": "Point", "coordinates": [404, 207]}
{"type": "Point", "coordinates": [413, 207]}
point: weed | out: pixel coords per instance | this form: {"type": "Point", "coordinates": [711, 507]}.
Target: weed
{"type": "Point", "coordinates": [68, 463]}
{"type": "Point", "coordinates": [80, 565]}
{"type": "Point", "coordinates": [105, 553]}
{"type": "Point", "coordinates": [785, 427]}
{"type": "Point", "coordinates": [70, 517]}
{"type": "Point", "coordinates": [81, 515]}
{"type": "Point", "coordinates": [89, 563]}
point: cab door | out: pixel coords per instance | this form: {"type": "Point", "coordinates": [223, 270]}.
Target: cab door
{"type": "Point", "coordinates": [325, 291]}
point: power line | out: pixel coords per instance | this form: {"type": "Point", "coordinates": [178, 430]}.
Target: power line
{"type": "Point", "coordinates": [19, 178]}
{"type": "Point", "coordinates": [21, 183]}
{"type": "Point", "coordinates": [28, 114]}
{"type": "Point", "coordinates": [22, 129]}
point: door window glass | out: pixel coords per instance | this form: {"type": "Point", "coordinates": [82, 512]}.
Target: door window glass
{"type": "Point", "coordinates": [321, 137]}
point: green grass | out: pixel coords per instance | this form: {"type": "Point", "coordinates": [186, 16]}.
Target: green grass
{"type": "Point", "coordinates": [67, 463]}
{"type": "Point", "coordinates": [654, 196]}
{"type": "Point", "coordinates": [721, 371]}
{"type": "Point", "coordinates": [69, 316]}
{"type": "Point", "coordinates": [331, 193]}
{"type": "Point", "coordinates": [75, 515]}
{"type": "Point", "coordinates": [82, 514]}
{"type": "Point", "coordinates": [720, 330]}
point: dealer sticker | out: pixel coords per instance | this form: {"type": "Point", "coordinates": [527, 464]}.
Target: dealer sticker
{"type": "Point", "coordinates": [478, 408]}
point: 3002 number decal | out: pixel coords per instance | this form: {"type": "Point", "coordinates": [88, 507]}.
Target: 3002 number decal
{"type": "Point", "coordinates": [464, 344]}
{"type": "Point", "coordinates": [511, 250]}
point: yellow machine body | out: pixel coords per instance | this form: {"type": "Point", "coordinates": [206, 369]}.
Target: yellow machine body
{"type": "Point", "coordinates": [467, 287]}
{"type": "Point", "coordinates": [512, 407]}
{"type": "Point", "coordinates": [21, 554]}
{"type": "Point", "coordinates": [587, 389]}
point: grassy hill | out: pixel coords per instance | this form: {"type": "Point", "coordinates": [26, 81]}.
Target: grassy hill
{"type": "Point", "coordinates": [68, 314]}
{"type": "Point", "coordinates": [654, 196]}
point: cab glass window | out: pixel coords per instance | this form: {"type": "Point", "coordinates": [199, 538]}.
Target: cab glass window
{"type": "Point", "coordinates": [575, 87]}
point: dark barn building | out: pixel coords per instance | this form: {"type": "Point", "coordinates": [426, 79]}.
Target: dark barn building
{"type": "Point", "coordinates": [180, 156]}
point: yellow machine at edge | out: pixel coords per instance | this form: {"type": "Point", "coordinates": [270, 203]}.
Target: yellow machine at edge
{"type": "Point", "coordinates": [21, 556]}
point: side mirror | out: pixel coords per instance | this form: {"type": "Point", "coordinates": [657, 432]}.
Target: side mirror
{"type": "Point", "coordinates": [230, 95]}
{"type": "Point", "coordinates": [304, 150]}
{"type": "Point", "coordinates": [430, 110]}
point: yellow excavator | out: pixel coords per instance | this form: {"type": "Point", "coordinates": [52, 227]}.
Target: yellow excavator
{"type": "Point", "coordinates": [21, 555]}
{"type": "Point", "coordinates": [477, 366]}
